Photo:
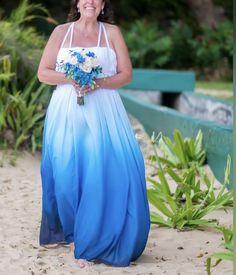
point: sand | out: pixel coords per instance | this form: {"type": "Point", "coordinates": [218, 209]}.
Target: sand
{"type": "Point", "coordinates": [167, 252]}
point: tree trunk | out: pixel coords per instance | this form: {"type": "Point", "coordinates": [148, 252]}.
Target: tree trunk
{"type": "Point", "coordinates": [204, 12]}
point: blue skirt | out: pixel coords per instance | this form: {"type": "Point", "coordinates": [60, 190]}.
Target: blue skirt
{"type": "Point", "coordinates": [93, 178]}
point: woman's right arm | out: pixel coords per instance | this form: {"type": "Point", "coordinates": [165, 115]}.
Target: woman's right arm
{"type": "Point", "coordinates": [46, 69]}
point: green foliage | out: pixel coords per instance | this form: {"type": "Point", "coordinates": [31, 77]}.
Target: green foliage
{"type": "Point", "coordinates": [194, 196]}
{"type": "Point", "coordinates": [213, 44]}
{"type": "Point", "coordinates": [21, 112]}
{"type": "Point", "coordinates": [22, 98]}
{"type": "Point", "coordinates": [182, 53]}
{"type": "Point", "coordinates": [180, 46]}
{"type": "Point", "coordinates": [227, 255]}
{"type": "Point", "coordinates": [175, 42]}
{"type": "Point", "coordinates": [182, 152]}
{"type": "Point", "coordinates": [130, 10]}
{"type": "Point", "coordinates": [22, 43]}
{"type": "Point", "coordinates": [147, 45]}
{"type": "Point", "coordinates": [24, 12]}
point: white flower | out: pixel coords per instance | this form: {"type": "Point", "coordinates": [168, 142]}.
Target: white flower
{"type": "Point", "coordinates": [86, 67]}
{"type": "Point", "coordinates": [73, 60]}
{"type": "Point", "coordinates": [68, 58]}
{"type": "Point", "coordinates": [94, 62]}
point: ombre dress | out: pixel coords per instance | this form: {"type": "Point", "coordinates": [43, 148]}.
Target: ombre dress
{"type": "Point", "coordinates": [92, 171]}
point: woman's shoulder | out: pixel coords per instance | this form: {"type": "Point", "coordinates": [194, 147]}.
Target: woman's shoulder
{"type": "Point", "coordinates": [111, 27]}
{"type": "Point", "coordinates": [58, 33]}
{"type": "Point", "coordinates": [61, 28]}
{"type": "Point", "coordinates": [112, 30]}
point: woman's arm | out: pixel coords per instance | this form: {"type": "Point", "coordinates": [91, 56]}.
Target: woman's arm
{"type": "Point", "coordinates": [46, 69]}
{"type": "Point", "coordinates": [124, 66]}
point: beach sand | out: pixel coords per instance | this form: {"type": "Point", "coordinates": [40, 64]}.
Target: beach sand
{"type": "Point", "coordinates": [167, 252]}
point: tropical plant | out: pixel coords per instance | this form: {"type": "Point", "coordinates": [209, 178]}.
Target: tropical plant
{"type": "Point", "coordinates": [187, 206]}
{"type": "Point", "coordinates": [227, 255]}
{"type": "Point", "coordinates": [182, 153]}
{"type": "Point", "coordinates": [21, 113]}
{"type": "Point", "coordinates": [223, 194]}
{"type": "Point", "coordinates": [22, 98]}
{"type": "Point", "coordinates": [153, 47]}
{"type": "Point", "coordinates": [183, 161]}
{"type": "Point", "coordinates": [182, 51]}
{"type": "Point", "coordinates": [213, 44]}
{"type": "Point", "coordinates": [129, 10]}
{"type": "Point", "coordinates": [21, 42]}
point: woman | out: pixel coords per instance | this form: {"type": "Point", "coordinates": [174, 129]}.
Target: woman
{"type": "Point", "coordinates": [92, 169]}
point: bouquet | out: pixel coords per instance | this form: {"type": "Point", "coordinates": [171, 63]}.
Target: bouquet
{"type": "Point", "coordinates": [83, 68]}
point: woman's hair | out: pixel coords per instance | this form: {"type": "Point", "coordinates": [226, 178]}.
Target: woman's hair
{"type": "Point", "coordinates": [107, 17]}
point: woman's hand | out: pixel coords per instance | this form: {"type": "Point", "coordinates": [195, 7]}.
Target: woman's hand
{"type": "Point", "coordinates": [85, 89]}
{"type": "Point", "coordinates": [76, 86]}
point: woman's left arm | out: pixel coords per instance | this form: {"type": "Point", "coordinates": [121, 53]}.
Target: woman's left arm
{"type": "Point", "coordinates": [124, 66]}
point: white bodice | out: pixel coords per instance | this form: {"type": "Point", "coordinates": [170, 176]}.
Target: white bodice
{"type": "Point", "coordinates": [106, 55]}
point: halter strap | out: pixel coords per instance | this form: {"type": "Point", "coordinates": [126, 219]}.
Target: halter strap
{"type": "Point", "coordinates": [99, 34]}
{"type": "Point", "coordinates": [67, 32]}
{"type": "Point", "coordinates": [105, 34]}
{"type": "Point", "coordinates": [71, 30]}
{"type": "Point", "coordinates": [71, 33]}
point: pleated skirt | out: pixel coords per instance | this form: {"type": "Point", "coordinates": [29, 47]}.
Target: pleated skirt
{"type": "Point", "coordinates": [93, 178]}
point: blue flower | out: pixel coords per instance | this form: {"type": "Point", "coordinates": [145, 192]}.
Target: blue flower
{"type": "Point", "coordinates": [73, 71]}
{"type": "Point", "coordinates": [90, 54]}
{"type": "Point", "coordinates": [79, 57]}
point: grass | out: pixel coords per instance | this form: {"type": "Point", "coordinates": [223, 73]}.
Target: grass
{"type": "Point", "coordinates": [217, 85]}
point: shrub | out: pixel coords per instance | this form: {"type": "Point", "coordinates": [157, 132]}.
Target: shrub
{"type": "Point", "coordinates": [147, 45]}
{"type": "Point", "coordinates": [182, 52]}
{"type": "Point", "coordinates": [22, 42]}
{"type": "Point", "coordinates": [21, 112]}
{"type": "Point", "coordinates": [208, 50]}
{"type": "Point", "coordinates": [213, 48]}
{"type": "Point", "coordinates": [194, 196]}
{"type": "Point", "coordinates": [22, 97]}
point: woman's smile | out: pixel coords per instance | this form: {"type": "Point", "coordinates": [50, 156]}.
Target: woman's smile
{"type": "Point", "coordinates": [90, 8]}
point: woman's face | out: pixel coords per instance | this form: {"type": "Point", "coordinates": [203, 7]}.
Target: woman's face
{"type": "Point", "coordinates": [90, 8]}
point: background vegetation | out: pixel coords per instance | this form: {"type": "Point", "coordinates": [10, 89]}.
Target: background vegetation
{"type": "Point", "coordinates": [185, 34]}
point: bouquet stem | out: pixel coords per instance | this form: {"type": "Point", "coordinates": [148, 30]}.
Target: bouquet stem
{"type": "Point", "coordinates": [80, 100]}
{"type": "Point", "coordinates": [80, 97]}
